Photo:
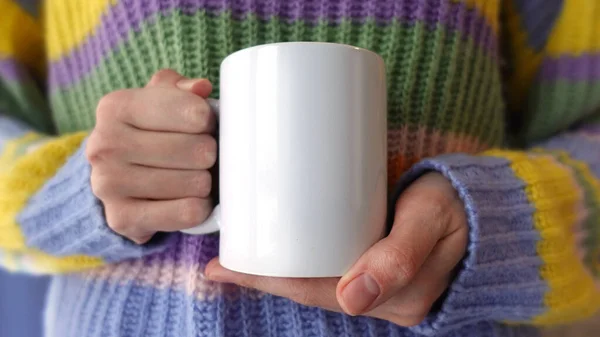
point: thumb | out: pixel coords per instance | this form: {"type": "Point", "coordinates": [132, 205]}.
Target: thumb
{"type": "Point", "coordinates": [421, 220]}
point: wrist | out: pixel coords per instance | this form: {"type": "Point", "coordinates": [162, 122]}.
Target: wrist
{"type": "Point", "coordinates": [501, 253]}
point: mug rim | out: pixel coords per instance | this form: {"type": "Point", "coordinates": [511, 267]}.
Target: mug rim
{"type": "Point", "coordinates": [279, 44]}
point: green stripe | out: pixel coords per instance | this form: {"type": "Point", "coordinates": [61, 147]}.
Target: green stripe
{"type": "Point", "coordinates": [23, 100]}
{"type": "Point", "coordinates": [557, 105]}
{"type": "Point", "coordinates": [425, 85]}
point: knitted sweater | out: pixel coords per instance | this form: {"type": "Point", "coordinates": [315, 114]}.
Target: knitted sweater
{"type": "Point", "coordinates": [500, 96]}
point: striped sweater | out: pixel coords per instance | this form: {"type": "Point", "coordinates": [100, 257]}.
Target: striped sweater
{"type": "Point", "coordinates": [500, 96]}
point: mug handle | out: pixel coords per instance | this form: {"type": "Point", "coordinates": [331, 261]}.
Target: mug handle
{"type": "Point", "coordinates": [213, 222]}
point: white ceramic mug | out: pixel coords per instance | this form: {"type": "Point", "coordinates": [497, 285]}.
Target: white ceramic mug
{"type": "Point", "coordinates": [302, 159]}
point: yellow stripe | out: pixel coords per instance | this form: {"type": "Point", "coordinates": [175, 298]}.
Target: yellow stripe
{"type": "Point", "coordinates": [552, 190]}
{"type": "Point", "coordinates": [8, 262]}
{"type": "Point", "coordinates": [490, 9]}
{"type": "Point", "coordinates": [577, 30]}
{"type": "Point", "coordinates": [36, 262]}
{"type": "Point", "coordinates": [19, 182]}
{"type": "Point", "coordinates": [69, 22]}
{"type": "Point", "coordinates": [590, 178]}
{"type": "Point", "coordinates": [21, 36]}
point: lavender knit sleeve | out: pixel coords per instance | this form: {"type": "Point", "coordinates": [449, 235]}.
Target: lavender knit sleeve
{"type": "Point", "coordinates": [534, 220]}
{"type": "Point", "coordinates": [65, 218]}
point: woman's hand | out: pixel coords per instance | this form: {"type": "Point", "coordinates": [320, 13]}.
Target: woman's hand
{"type": "Point", "coordinates": [400, 277]}
{"type": "Point", "coordinates": [150, 153]}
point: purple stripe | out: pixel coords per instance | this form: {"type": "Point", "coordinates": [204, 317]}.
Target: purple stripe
{"type": "Point", "coordinates": [127, 16]}
{"type": "Point", "coordinates": [579, 147]}
{"type": "Point", "coordinates": [12, 70]}
{"type": "Point", "coordinates": [585, 67]}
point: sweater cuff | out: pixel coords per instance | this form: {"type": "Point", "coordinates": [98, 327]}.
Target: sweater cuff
{"type": "Point", "coordinates": [65, 218]}
{"type": "Point", "coordinates": [499, 277]}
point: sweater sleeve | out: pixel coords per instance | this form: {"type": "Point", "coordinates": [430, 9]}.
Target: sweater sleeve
{"type": "Point", "coordinates": [534, 244]}
{"type": "Point", "coordinates": [50, 222]}
{"type": "Point", "coordinates": [534, 211]}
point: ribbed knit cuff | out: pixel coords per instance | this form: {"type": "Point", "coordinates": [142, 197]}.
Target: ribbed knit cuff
{"type": "Point", "coordinates": [65, 218]}
{"type": "Point", "coordinates": [498, 279]}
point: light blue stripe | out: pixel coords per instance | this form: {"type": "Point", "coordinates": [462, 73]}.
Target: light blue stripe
{"type": "Point", "coordinates": [11, 128]}
{"type": "Point", "coordinates": [123, 308]}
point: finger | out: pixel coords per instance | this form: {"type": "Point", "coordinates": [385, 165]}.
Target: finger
{"type": "Point", "coordinates": [170, 78]}
{"type": "Point", "coordinates": [165, 78]}
{"type": "Point", "coordinates": [422, 216]}
{"type": "Point", "coordinates": [412, 303]}
{"type": "Point", "coordinates": [319, 292]}
{"type": "Point", "coordinates": [170, 150]}
{"type": "Point", "coordinates": [136, 218]}
{"type": "Point", "coordinates": [140, 182]}
{"type": "Point", "coordinates": [198, 86]}
{"type": "Point", "coordinates": [167, 109]}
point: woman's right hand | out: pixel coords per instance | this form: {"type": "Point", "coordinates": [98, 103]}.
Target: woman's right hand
{"type": "Point", "coordinates": [150, 153]}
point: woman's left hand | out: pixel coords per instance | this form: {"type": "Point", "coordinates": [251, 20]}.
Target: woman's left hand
{"type": "Point", "coordinates": [399, 278]}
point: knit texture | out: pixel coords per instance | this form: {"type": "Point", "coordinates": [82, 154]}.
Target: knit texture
{"type": "Point", "coordinates": [533, 213]}
{"type": "Point", "coordinates": [518, 267]}
{"type": "Point", "coordinates": [67, 219]}
{"type": "Point", "coordinates": [21, 56]}
{"type": "Point", "coordinates": [22, 174]}
{"type": "Point", "coordinates": [441, 58]}
{"type": "Point", "coordinates": [166, 295]}
{"type": "Point", "coordinates": [555, 75]}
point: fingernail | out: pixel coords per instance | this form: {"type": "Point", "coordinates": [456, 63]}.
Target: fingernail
{"type": "Point", "coordinates": [188, 83]}
{"type": "Point", "coordinates": [360, 294]}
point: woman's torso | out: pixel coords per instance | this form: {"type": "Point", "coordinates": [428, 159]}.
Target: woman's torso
{"type": "Point", "coordinates": [445, 95]}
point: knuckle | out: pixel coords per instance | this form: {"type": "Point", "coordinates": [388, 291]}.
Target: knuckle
{"type": "Point", "coordinates": [401, 262]}
{"type": "Point", "coordinates": [203, 183]}
{"type": "Point", "coordinates": [100, 148]}
{"type": "Point", "coordinates": [196, 114]}
{"type": "Point", "coordinates": [100, 184]}
{"type": "Point", "coordinates": [119, 225]}
{"type": "Point", "coordinates": [118, 219]}
{"type": "Point", "coordinates": [211, 151]}
{"type": "Point", "coordinates": [206, 151]}
{"type": "Point", "coordinates": [91, 149]}
{"type": "Point", "coordinates": [161, 75]}
{"type": "Point", "coordinates": [192, 212]}
{"type": "Point", "coordinates": [111, 105]}
{"type": "Point", "coordinates": [439, 203]}
{"type": "Point", "coordinates": [436, 208]}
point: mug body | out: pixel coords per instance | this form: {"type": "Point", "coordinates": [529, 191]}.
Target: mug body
{"type": "Point", "coordinates": [303, 147]}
